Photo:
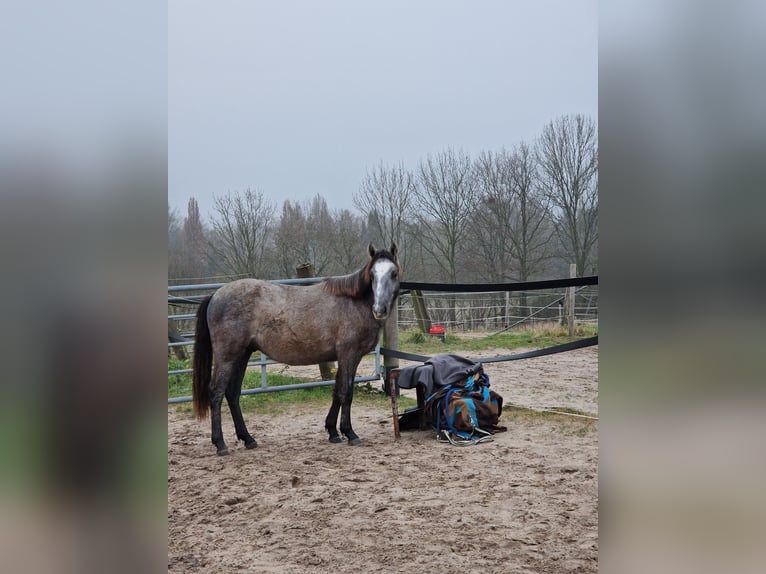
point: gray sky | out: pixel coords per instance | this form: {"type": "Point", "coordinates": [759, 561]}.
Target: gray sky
{"type": "Point", "coordinates": [296, 98]}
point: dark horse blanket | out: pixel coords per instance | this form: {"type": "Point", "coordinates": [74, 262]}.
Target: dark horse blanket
{"type": "Point", "coordinates": [438, 371]}
{"type": "Point", "coordinates": [459, 401]}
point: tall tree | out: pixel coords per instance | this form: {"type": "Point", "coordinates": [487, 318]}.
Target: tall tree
{"type": "Point", "coordinates": [492, 244]}
{"type": "Point", "coordinates": [320, 235]}
{"type": "Point", "coordinates": [241, 227]}
{"type": "Point", "coordinates": [387, 197]}
{"type": "Point", "coordinates": [194, 242]}
{"type": "Point", "coordinates": [290, 238]}
{"type": "Point", "coordinates": [309, 233]}
{"type": "Point", "coordinates": [350, 250]}
{"type": "Point", "coordinates": [567, 152]}
{"type": "Point", "coordinates": [447, 193]}
{"type": "Point", "coordinates": [174, 244]}
{"type": "Point", "coordinates": [531, 227]}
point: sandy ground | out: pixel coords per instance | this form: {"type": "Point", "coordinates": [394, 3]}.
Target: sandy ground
{"type": "Point", "coordinates": [525, 502]}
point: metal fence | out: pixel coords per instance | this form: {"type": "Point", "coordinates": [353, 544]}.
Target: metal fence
{"type": "Point", "coordinates": [492, 311]}
{"type": "Point", "coordinates": [464, 312]}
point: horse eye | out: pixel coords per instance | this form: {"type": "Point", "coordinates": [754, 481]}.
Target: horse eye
{"type": "Point", "coordinates": [394, 274]}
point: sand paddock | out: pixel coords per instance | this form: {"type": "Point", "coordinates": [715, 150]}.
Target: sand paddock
{"type": "Point", "coordinates": [526, 502]}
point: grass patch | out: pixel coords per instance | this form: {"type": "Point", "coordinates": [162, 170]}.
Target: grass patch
{"type": "Point", "coordinates": [539, 335]}
{"type": "Point", "coordinates": [573, 426]}
{"type": "Point", "coordinates": [281, 402]}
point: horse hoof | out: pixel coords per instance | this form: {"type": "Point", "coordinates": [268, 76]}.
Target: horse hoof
{"type": "Point", "coordinates": [354, 441]}
{"type": "Point", "coordinates": [223, 452]}
{"type": "Point", "coordinates": [251, 444]}
{"type": "Point", "coordinates": [335, 439]}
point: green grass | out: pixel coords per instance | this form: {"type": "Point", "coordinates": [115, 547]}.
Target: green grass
{"type": "Point", "coordinates": [542, 335]}
{"type": "Point", "coordinates": [574, 426]}
{"type": "Point", "coordinates": [368, 394]}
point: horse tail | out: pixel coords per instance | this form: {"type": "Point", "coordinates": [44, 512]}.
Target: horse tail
{"type": "Point", "coordinates": [203, 362]}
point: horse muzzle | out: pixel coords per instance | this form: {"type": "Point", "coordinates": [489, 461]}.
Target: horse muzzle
{"type": "Point", "coordinates": [380, 315]}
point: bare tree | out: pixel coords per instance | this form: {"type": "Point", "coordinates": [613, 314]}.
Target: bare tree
{"type": "Point", "coordinates": [531, 226]}
{"type": "Point", "coordinates": [567, 152]}
{"type": "Point", "coordinates": [187, 245]}
{"type": "Point", "coordinates": [495, 210]}
{"type": "Point", "coordinates": [447, 194]}
{"type": "Point", "coordinates": [350, 250]}
{"type": "Point", "coordinates": [309, 233]}
{"type": "Point", "coordinates": [241, 229]}
{"type": "Point", "coordinates": [320, 235]}
{"type": "Point", "coordinates": [194, 242]}
{"type": "Point", "coordinates": [290, 238]}
{"type": "Point", "coordinates": [387, 196]}
{"type": "Point", "coordinates": [174, 244]}
{"type": "Point", "coordinates": [173, 221]}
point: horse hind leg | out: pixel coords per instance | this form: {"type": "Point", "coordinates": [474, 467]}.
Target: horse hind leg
{"type": "Point", "coordinates": [233, 391]}
{"type": "Point", "coordinates": [225, 373]}
{"type": "Point", "coordinates": [345, 417]}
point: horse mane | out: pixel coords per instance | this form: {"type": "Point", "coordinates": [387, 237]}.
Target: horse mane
{"type": "Point", "coordinates": [357, 284]}
{"type": "Point", "coordinates": [353, 285]}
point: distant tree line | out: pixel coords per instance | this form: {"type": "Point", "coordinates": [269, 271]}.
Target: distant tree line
{"type": "Point", "coordinates": [506, 215]}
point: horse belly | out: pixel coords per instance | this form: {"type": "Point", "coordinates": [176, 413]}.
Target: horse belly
{"type": "Point", "coordinates": [281, 341]}
{"type": "Point", "coordinates": [302, 356]}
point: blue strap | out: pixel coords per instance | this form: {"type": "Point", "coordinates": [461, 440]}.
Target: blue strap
{"type": "Point", "coordinates": [445, 419]}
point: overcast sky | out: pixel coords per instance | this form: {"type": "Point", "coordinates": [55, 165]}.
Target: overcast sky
{"type": "Point", "coordinates": [297, 98]}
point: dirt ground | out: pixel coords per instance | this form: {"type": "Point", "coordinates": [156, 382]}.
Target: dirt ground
{"type": "Point", "coordinates": [525, 502]}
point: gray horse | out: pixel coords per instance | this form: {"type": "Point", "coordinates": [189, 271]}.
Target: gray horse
{"type": "Point", "coordinates": [338, 319]}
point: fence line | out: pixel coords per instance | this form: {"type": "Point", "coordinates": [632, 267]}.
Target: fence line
{"type": "Point", "coordinates": [495, 308]}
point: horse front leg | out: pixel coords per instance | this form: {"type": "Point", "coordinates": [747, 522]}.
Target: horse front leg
{"type": "Point", "coordinates": [331, 422]}
{"type": "Point", "coordinates": [345, 415]}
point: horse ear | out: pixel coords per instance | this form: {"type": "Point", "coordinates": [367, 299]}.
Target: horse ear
{"type": "Point", "coordinates": [394, 249]}
{"type": "Point", "coordinates": [371, 249]}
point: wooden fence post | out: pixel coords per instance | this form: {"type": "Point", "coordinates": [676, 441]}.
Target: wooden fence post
{"type": "Point", "coordinates": [175, 336]}
{"type": "Point", "coordinates": [571, 299]}
{"type": "Point", "coordinates": [421, 311]}
{"type": "Point", "coordinates": [391, 341]}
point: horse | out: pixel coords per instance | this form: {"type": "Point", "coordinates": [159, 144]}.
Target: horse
{"type": "Point", "coordinates": [338, 319]}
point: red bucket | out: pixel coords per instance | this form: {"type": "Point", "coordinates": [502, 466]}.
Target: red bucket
{"type": "Point", "coordinates": [438, 331]}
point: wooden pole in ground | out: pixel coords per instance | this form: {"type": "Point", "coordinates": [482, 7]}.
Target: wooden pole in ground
{"type": "Point", "coordinates": [394, 406]}
{"type": "Point", "coordinates": [305, 271]}
{"type": "Point", "coordinates": [571, 299]}
{"type": "Point", "coordinates": [391, 341]}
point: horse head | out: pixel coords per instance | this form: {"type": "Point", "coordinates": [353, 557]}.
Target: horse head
{"type": "Point", "coordinates": [384, 278]}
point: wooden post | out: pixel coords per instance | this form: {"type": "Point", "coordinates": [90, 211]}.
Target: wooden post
{"type": "Point", "coordinates": [304, 271]}
{"type": "Point", "coordinates": [571, 299]}
{"type": "Point", "coordinates": [391, 341]}
{"type": "Point", "coordinates": [421, 311]}
{"type": "Point", "coordinates": [394, 403]}
{"type": "Point", "coordinates": [174, 336]}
